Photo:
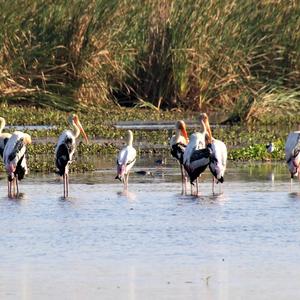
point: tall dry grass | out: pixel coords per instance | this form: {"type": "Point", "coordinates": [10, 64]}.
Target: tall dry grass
{"type": "Point", "coordinates": [193, 54]}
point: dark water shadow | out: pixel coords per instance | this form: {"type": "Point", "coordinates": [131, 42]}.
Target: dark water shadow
{"type": "Point", "coordinates": [294, 196]}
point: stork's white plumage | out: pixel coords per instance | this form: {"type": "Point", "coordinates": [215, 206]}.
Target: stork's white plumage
{"type": "Point", "coordinates": [292, 153]}
{"type": "Point", "coordinates": [14, 157]}
{"type": "Point", "coordinates": [178, 144]}
{"type": "Point", "coordinates": [4, 136]}
{"type": "Point", "coordinates": [125, 161]}
{"type": "Point", "coordinates": [218, 158]}
{"type": "Point", "coordinates": [65, 149]}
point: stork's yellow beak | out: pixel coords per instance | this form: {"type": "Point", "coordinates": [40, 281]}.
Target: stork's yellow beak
{"type": "Point", "coordinates": [77, 122]}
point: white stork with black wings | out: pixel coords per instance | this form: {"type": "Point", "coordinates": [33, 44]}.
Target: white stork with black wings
{"type": "Point", "coordinates": [196, 157]}
{"type": "Point", "coordinates": [292, 153]}
{"type": "Point", "coordinates": [178, 144]}
{"type": "Point", "coordinates": [65, 149]}
{"type": "Point", "coordinates": [14, 157]}
{"type": "Point", "coordinates": [126, 160]}
{"type": "Point", "coordinates": [4, 136]}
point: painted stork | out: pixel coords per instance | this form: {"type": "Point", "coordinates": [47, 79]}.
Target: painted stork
{"type": "Point", "coordinates": [65, 149]}
{"type": "Point", "coordinates": [4, 136]}
{"type": "Point", "coordinates": [178, 144]}
{"type": "Point", "coordinates": [218, 159]}
{"type": "Point", "coordinates": [14, 157]}
{"type": "Point", "coordinates": [197, 154]}
{"type": "Point", "coordinates": [292, 153]}
{"type": "Point", "coordinates": [126, 160]}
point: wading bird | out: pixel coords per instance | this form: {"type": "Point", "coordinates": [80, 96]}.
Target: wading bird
{"type": "Point", "coordinates": [65, 149]}
{"type": "Point", "coordinates": [270, 147]}
{"type": "Point", "coordinates": [4, 136]}
{"type": "Point", "coordinates": [197, 154]}
{"type": "Point", "coordinates": [178, 144]}
{"type": "Point", "coordinates": [292, 153]}
{"type": "Point", "coordinates": [218, 159]}
{"type": "Point", "coordinates": [126, 160]}
{"type": "Point", "coordinates": [14, 157]}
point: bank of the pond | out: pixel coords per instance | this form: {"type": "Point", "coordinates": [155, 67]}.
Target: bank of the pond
{"type": "Point", "coordinates": [245, 142]}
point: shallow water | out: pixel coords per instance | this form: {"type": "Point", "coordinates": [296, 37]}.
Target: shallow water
{"type": "Point", "coordinates": [151, 242]}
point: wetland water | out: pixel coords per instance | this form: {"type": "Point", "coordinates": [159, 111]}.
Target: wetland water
{"type": "Point", "coordinates": [151, 242]}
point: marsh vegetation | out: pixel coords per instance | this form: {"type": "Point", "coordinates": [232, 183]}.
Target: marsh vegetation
{"type": "Point", "coordinates": [238, 56]}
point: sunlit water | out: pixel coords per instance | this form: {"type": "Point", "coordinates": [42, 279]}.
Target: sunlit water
{"type": "Point", "coordinates": [151, 242]}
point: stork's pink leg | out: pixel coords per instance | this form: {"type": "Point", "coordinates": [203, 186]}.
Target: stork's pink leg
{"type": "Point", "coordinates": [182, 179]}
{"type": "Point", "coordinates": [17, 185]}
{"type": "Point", "coordinates": [64, 179]}
{"type": "Point", "coordinates": [67, 184]}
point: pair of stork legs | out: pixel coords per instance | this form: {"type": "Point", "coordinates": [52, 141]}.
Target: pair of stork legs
{"type": "Point", "coordinates": [184, 183]}
{"type": "Point", "coordinates": [66, 185]}
{"type": "Point", "coordinates": [13, 187]}
{"type": "Point", "coordinates": [125, 180]}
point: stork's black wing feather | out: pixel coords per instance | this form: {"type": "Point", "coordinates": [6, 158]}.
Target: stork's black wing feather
{"type": "Point", "coordinates": [18, 146]}
{"type": "Point", "coordinates": [63, 156]}
{"type": "Point", "coordinates": [20, 170]}
{"type": "Point", "coordinates": [2, 149]}
{"type": "Point", "coordinates": [177, 151]}
{"type": "Point", "coordinates": [203, 157]}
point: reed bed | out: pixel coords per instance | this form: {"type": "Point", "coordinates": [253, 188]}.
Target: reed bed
{"type": "Point", "coordinates": [240, 56]}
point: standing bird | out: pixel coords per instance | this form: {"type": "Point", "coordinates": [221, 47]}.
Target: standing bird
{"type": "Point", "coordinates": [292, 153]}
{"type": "Point", "coordinates": [178, 144]}
{"type": "Point", "coordinates": [65, 149]}
{"type": "Point", "coordinates": [4, 137]}
{"type": "Point", "coordinates": [197, 154]}
{"type": "Point", "coordinates": [218, 159]}
{"type": "Point", "coordinates": [14, 157]}
{"type": "Point", "coordinates": [270, 147]}
{"type": "Point", "coordinates": [126, 160]}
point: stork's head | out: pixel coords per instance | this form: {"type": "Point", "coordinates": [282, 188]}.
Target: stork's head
{"type": "Point", "coordinates": [74, 120]}
{"type": "Point", "coordinates": [27, 139]}
{"type": "Point", "coordinates": [180, 126]}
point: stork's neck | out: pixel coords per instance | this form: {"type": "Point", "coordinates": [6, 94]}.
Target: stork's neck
{"type": "Point", "coordinates": [130, 138]}
{"type": "Point", "coordinates": [177, 135]}
{"type": "Point", "coordinates": [2, 124]}
{"type": "Point", "coordinates": [207, 130]}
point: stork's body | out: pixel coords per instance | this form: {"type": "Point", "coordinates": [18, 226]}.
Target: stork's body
{"type": "Point", "coordinates": [292, 153]}
{"type": "Point", "coordinates": [4, 136]}
{"type": "Point", "coordinates": [14, 157]}
{"type": "Point", "coordinates": [218, 158]}
{"type": "Point", "coordinates": [125, 161]}
{"type": "Point", "coordinates": [196, 157]}
{"type": "Point", "coordinates": [218, 161]}
{"type": "Point", "coordinates": [178, 144]}
{"type": "Point", "coordinates": [65, 150]}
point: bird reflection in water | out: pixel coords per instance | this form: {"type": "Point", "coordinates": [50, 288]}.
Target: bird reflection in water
{"type": "Point", "coordinates": [130, 196]}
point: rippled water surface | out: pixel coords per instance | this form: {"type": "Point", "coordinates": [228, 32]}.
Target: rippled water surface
{"type": "Point", "coordinates": [151, 242]}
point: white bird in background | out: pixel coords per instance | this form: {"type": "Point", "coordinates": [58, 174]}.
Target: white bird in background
{"type": "Point", "coordinates": [4, 136]}
{"type": "Point", "coordinates": [292, 153]}
{"type": "Point", "coordinates": [196, 156]}
{"type": "Point", "coordinates": [270, 147]}
{"type": "Point", "coordinates": [126, 160]}
{"type": "Point", "coordinates": [14, 157]}
{"type": "Point", "coordinates": [218, 159]}
{"type": "Point", "coordinates": [178, 144]}
{"type": "Point", "coordinates": [65, 149]}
